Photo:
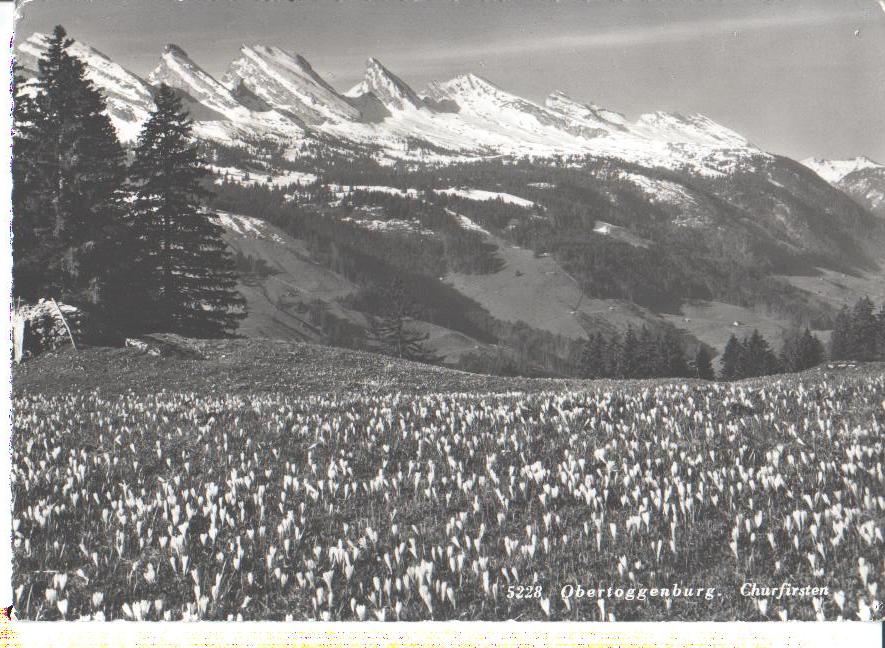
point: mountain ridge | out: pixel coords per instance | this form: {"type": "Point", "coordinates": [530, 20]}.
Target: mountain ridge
{"type": "Point", "coordinates": [278, 94]}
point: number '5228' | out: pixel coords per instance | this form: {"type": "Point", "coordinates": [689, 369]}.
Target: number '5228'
{"type": "Point", "coordinates": [524, 591]}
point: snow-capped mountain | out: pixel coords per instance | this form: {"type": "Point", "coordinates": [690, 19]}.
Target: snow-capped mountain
{"type": "Point", "coordinates": [217, 115]}
{"type": "Point", "coordinates": [289, 84]}
{"type": "Point", "coordinates": [861, 178]}
{"type": "Point", "coordinates": [235, 118]}
{"type": "Point", "coordinates": [835, 170]}
{"type": "Point", "coordinates": [386, 87]}
{"type": "Point", "coordinates": [177, 70]}
{"type": "Point", "coordinates": [268, 92]}
{"type": "Point", "coordinates": [129, 97]}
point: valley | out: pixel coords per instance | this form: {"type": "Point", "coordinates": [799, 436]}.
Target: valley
{"type": "Point", "coordinates": [515, 228]}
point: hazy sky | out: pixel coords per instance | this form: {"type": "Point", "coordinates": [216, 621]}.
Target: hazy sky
{"type": "Point", "coordinates": [799, 77]}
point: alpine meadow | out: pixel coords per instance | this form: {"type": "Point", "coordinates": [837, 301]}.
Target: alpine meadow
{"type": "Point", "coordinates": [289, 351]}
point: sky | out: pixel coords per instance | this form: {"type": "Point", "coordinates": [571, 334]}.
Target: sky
{"type": "Point", "coordinates": [797, 77]}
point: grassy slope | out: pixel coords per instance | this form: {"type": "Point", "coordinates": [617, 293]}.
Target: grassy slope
{"type": "Point", "coordinates": [536, 290]}
{"type": "Point", "coordinates": [274, 301]}
{"type": "Point", "coordinates": [255, 365]}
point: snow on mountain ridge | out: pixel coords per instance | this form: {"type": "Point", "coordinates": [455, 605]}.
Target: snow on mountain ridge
{"type": "Point", "coordinates": [177, 70]}
{"type": "Point", "coordinates": [593, 115]}
{"type": "Point", "coordinates": [834, 171]}
{"type": "Point", "coordinates": [288, 83]}
{"type": "Point", "coordinates": [129, 97]}
{"type": "Point", "coordinates": [388, 88]}
{"type": "Point", "coordinates": [693, 129]}
{"type": "Point", "coordinates": [270, 92]}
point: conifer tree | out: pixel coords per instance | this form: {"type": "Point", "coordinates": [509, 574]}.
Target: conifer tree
{"type": "Point", "coordinates": [593, 360]}
{"type": "Point", "coordinates": [703, 364]}
{"type": "Point", "coordinates": [857, 333]}
{"type": "Point", "coordinates": [186, 272]}
{"type": "Point", "coordinates": [68, 176]}
{"type": "Point", "coordinates": [613, 355]}
{"type": "Point", "coordinates": [651, 358]}
{"type": "Point", "coordinates": [630, 358]}
{"type": "Point", "coordinates": [840, 343]}
{"type": "Point", "coordinates": [732, 358]}
{"type": "Point", "coordinates": [672, 355]}
{"type": "Point", "coordinates": [801, 351]}
{"type": "Point", "coordinates": [759, 359]}
{"type": "Point", "coordinates": [27, 220]}
{"type": "Point", "coordinates": [391, 333]}
{"type": "Point", "coordinates": [880, 345]}
{"type": "Point", "coordinates": [864, 330]}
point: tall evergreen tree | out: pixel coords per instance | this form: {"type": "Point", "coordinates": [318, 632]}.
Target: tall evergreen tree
{"type": "Point", "coordinates": [801, 351]}
{"type": "Point", "coordinates": [672, 355]}
{"type": "Point", "coordinates": [391, 333]}
{"type": "Point", "coordinates": [857, 333]}
{"type": "Point", "coordinates": [864, 330]}
{"type": "Point", "coordinates": [27, 268]}
{"type": "Point", "coordinates": [732, 359]}
{"type": "Point", "coordinates": [880, 345]}
{"type": "Point", "coordinates": [68, 173]}
{"type": "Point", "coordinates": [703, 364]}
{"type": "Point", "coordinates": [185, 270]}
{"type": "Point", "coordinates": [651, 362]}
{"type": "Point", "coordinates": [612, 355]}
{"type": "Point", "coordinates": [840, 337]}
{"type": "Point", "coordinates": [593, 360]}
{"type": "Point", "coordinates": [630, 355]}
{"type": "Point", "coordinates": [760, 360]}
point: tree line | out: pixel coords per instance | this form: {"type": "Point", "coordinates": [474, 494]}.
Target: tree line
{"type": "Point", "coordinates": [643, 354]}
{"type": "Point", "coordinates": [122, 234]}
{"type": "Point", "coordinates": [648, 354]}
{"type": "Point", "coordinates": [859, 333]}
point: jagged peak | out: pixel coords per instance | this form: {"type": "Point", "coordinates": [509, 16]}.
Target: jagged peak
{"type": "Point", "coordinates": [175, 50]}
{"type": "Point", "coordinates": [288, 82]}
{"type": "Point", "coordinates": [38, 41]}
{"type": "Point", "coordinates": [388, 88]}
{"type": "Point", "coordinates": [177, 70]}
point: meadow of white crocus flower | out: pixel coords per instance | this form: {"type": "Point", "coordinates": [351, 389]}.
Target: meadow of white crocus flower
{"type": "Point", "coordinates": [208, 506]}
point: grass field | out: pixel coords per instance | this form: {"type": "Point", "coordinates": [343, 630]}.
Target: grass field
{"type": "Point", "coordinates": [273, 480]}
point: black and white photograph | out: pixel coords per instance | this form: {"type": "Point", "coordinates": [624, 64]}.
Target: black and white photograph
{"type": "Point", "coordinates": [375, 311]}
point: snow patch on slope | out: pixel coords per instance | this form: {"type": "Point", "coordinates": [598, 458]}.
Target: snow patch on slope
{"type": "Point", "coordinates": [656, 190]}
{"type": "Point", "coordinates": [250, 178]}
{"type": "Point", "coordinates": [482, 195]}
{"type": "Point", "coordinates": [392, 225]}
{"type": "Point", "coordinates": [246, 226]}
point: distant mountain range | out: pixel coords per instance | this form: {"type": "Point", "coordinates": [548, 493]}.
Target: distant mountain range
{"type": "Point", "coordinates": [739, 236]}
{"type": "Point", "coordinates": [269, 92]}
{"type": "Point", "coordinates": [861, 178]}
